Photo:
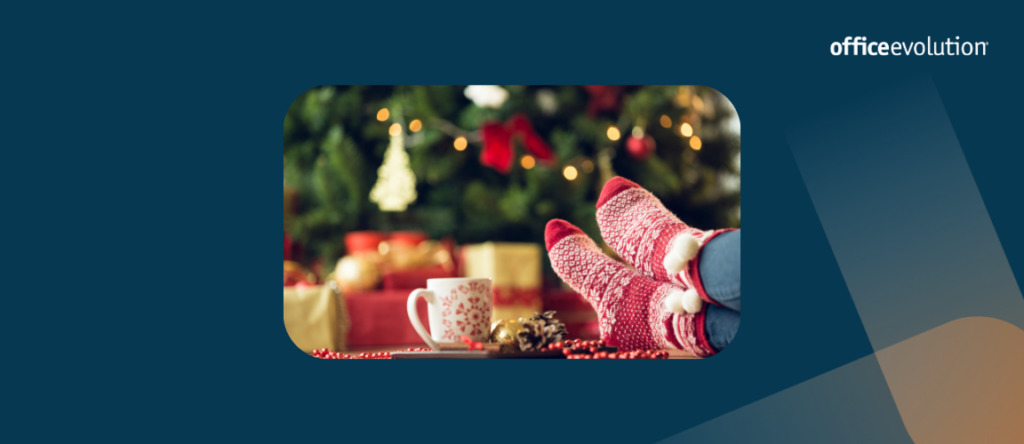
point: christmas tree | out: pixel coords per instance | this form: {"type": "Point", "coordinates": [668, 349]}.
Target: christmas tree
{"type": "Point", "coordinates": [396, 184]}
{"type": "Point", "coordinates": [495, 163]}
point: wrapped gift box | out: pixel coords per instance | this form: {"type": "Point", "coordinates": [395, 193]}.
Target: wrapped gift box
{"type": "Point", "coordinates": [515, 272]}
{"type": "Point", "coordinates": [415, 278]}
{"type": "Point", "coordinates": [315, 317]}
{"type": "Point", "coordinates": [379, 319]}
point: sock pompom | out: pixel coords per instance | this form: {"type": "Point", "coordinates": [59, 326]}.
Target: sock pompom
{"type": "Point", "coordinates": [684, 301]}
{"type": "Point", "coordinates": [684, 248]}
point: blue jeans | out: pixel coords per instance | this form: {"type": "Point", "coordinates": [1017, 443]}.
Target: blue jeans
{"type": "Point", "coordinates": [720, 274]}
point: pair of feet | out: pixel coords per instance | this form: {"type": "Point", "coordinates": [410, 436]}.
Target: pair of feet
{"type": "Point", "coordinates": [660, 305]}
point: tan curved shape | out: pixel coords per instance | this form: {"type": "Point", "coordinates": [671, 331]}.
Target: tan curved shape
{"type": "Point", "coordinates": [315, 317]}
{"type": "Point", "coordinates": [961, 382]}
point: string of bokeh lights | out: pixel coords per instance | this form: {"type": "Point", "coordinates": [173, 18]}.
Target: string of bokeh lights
{"type": "Point", "coordinates": [570, 172]}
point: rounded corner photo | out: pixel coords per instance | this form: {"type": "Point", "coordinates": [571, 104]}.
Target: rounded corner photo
{"type": "Point", "coordinates": [512, 222]}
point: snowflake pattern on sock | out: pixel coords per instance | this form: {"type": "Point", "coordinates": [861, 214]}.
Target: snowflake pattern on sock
{"type": "Point", "coordinates": [631, 308]}
{"type": "Point", "coordinates": [640, 229]}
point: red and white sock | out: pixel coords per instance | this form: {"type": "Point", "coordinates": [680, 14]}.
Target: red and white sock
{"type": "Point", "coordinates": [652, 239]}
{"type": "Point", "coordinates": [632, 308]}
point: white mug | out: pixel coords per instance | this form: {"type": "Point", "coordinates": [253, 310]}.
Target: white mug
{"type": "Point", "coordinates": [456, 306]}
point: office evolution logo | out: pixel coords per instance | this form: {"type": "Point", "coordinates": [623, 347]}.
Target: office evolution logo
{"type": "Point", "coordinates": [952, 47]}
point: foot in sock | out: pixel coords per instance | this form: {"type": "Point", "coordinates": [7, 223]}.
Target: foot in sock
{"type": "Point", "coordinates": [652, 239]}
{"type": "Point", "coordinates": [635, 312]}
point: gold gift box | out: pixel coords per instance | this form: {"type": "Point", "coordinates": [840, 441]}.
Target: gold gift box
{"type": "Point", "coordinates": [515, 272]}
{"type": "Point", "coordinates": [315, 317]}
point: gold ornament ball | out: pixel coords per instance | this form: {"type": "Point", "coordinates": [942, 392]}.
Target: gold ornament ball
{"type": "Point", "coordinates": [505, 332]}
{"type": "Point", "coordinates": [356, 273]}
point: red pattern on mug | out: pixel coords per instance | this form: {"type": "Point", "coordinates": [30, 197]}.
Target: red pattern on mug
{"type": "Point", "coordinates": [457, 306]}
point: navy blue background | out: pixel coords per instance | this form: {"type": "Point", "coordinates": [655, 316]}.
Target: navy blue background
{"type": "Point", "coordinates": [142, 166]}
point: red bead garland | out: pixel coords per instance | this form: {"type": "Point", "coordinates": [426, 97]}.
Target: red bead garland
{"type": "Point", "coordinates": [572, 349]}
{"type": "Point", "coordinates": [324, 353]}
{"type": "Point", "coordinates": [590, 349]}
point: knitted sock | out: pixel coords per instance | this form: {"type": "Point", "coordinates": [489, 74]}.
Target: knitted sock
{"type": "Point", "coordinates": [632, 308]}
{"type": "Point", "coordinates": [652, 239]}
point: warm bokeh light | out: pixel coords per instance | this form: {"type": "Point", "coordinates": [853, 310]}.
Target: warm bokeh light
{"type": "Point", "coordinates": [686, 130]}
{"type": "Point", "coordinates": [666, 121]}
{"type": "Point", "coordinates": [695, 143]}
{"type": "Point", "coordinates": [460, 143]}
{"type": "Point", "coordinates": [613, 133]}
{"type": "Point", "coordinates": [415, 125]}
{"type": "Point", "coordinates": [528, 161]}
{"type": "Point", "coordinates": [383, 114]}
{"type": "Point", "coordinates": [683, 96]}
{"type": "Point", "coordinates": [588, 166]}
{"type": "Point", "coordinates": [395, 129]}
{"type": "Point", "coordinates": [698, 103]}
{"type": "Point", "coordinates": [570, 172]}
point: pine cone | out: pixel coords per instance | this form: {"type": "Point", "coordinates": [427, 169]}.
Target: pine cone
{"type": "Point", "coordinates": [554, 333]}
{"type": "Point", "coordinates": [531, 337]}
{"type": "Point", "coordinates": [552, 330]}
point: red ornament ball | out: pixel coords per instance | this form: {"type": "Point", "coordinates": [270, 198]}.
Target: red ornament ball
{"type": "Point", "coordinates": [640, 147]}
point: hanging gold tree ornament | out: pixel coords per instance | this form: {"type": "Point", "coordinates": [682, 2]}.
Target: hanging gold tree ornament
{"type": "Point", "coordinates": [396, 183]}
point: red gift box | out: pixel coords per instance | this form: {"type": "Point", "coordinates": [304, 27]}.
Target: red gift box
{"type": "Point", "coordinates": [407, 238]}
{"type": "Point", "coordinates": [415, 278]}
{"type": "Point", "coordinates": [363, 241]}
{"type": "Point", "coordinates": [379, 318]}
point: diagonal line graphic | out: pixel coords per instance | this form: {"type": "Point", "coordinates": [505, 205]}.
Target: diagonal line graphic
{"type": "Point", "coordinates": [929, 278]}
{"type": "Point", "coordinates": [903, 214]}
{"type": "Point", "coordinates": [923, 396]}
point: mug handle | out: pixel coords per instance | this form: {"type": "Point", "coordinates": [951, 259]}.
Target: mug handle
{"type": "Point", "coordinates": [414, 316]}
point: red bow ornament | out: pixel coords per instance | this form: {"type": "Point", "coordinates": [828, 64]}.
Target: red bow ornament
{"type": "Point", "coordinates": [497, 140]}
{"type": "Point", "coordinates": [603, 98]}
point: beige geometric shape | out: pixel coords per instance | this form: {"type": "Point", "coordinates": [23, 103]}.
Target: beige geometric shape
{"type": "Point", "coordinates": [316, 317]}
{"type": "Point", "coordinates": [961, 382]}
